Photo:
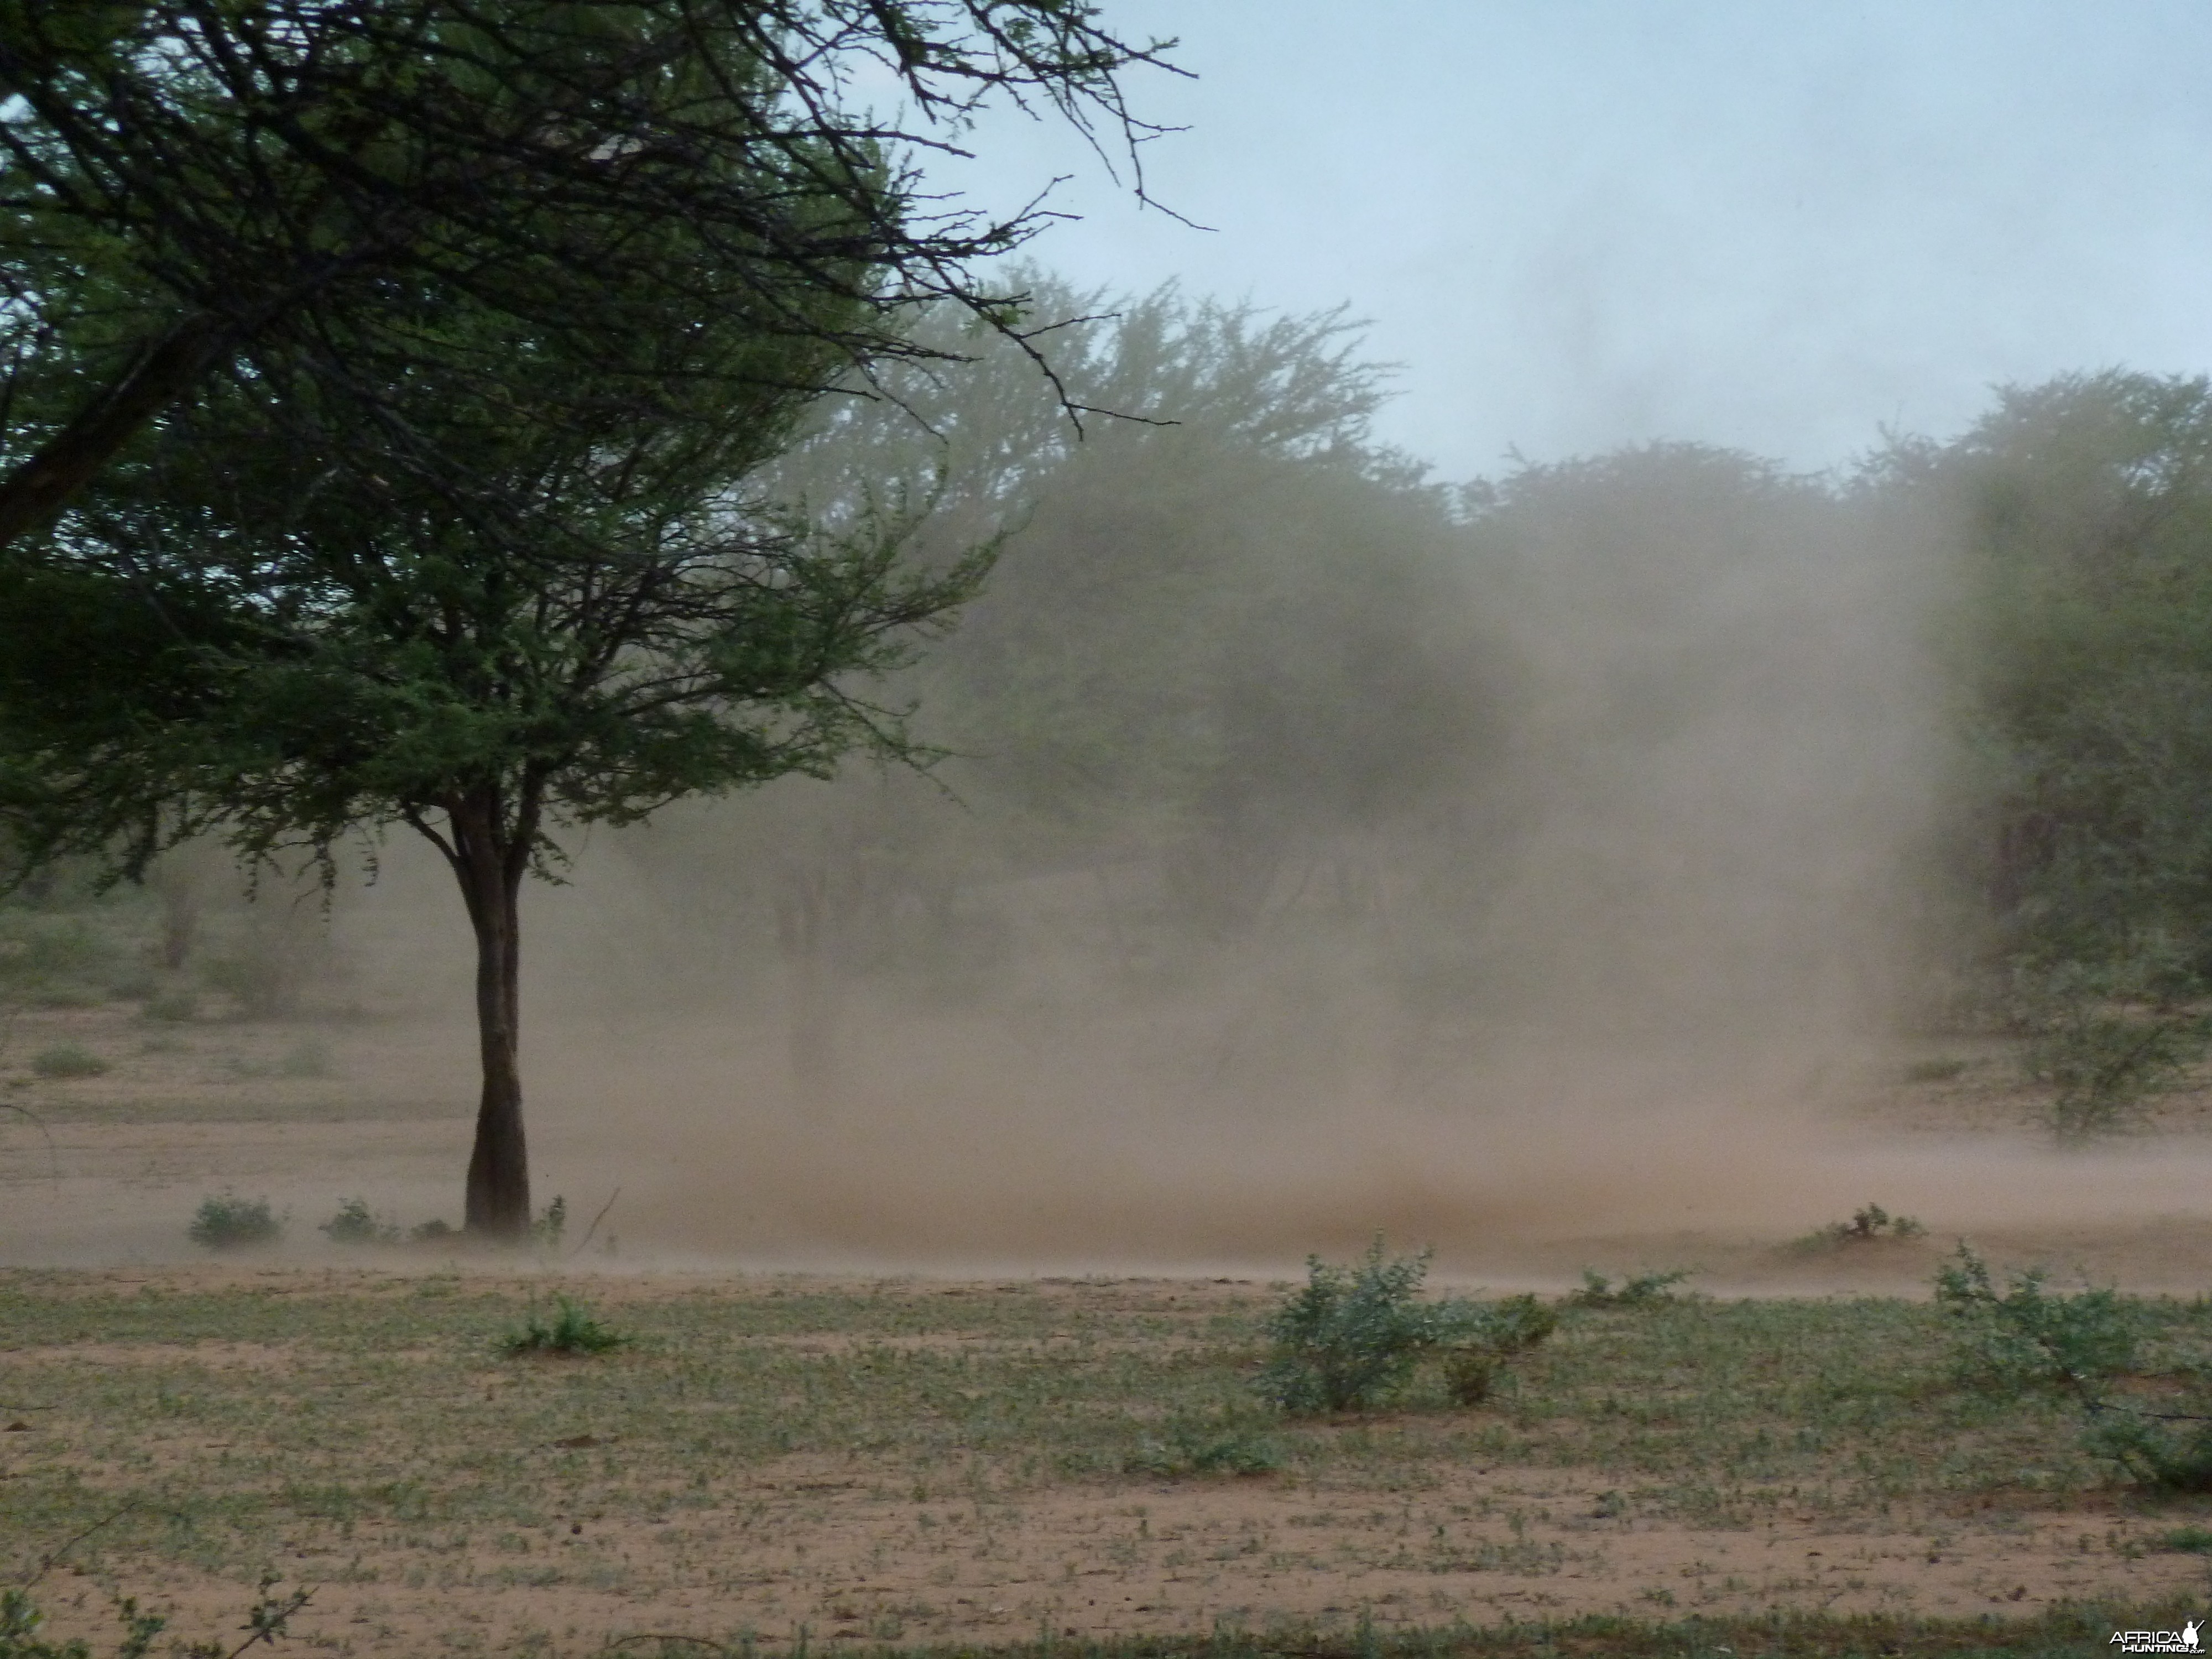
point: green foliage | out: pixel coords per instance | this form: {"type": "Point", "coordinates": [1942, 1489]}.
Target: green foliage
{"type": "Point", "coordinates": [2186, 1541]}
{"type": "Point", "coordinates": [573, 1330]}
{"type": "Point", "coordinates": [60, 963]}
{"type": "Point", "coordinates": [545, 1231]}
{"type": "Point", "coordinates": [2168, 1452]}
{"type": "Point", "coordinates": [1208, 1443]}
{"type": "Point", "coordinates": [355, 1225]}
{"type": "Point", "coordinates": [177, 1005]}
{"type": "Point", "coordinates": [228, 1222]}
{"type": "Point", "coordinates": [432, 1231]}
{"type": "Point", "coordinates": [20, 1621]}
{"type": "Point", "coordinates": [1870, 1223]}
{"type": "Point", "coordinates": [266, 1621]}
{"type": "Point", "coordinates": [2102, 1064]}
{"type": "Point", "coordinates": [1352, 1337]}
{"type": "Point", "coordinates": [1487, 1338]}
{"type": "Point", "coordinates": [2025, 1337]}
{"type": "Point", "coordinates": [2084, 507]}
{"type": "Point", "coordinates": [1639, 1291]}
{"type": "Point", "coordinates": [66, 1059]}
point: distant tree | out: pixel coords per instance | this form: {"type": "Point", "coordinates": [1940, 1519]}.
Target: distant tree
{"type": "Point", "coordinates": [1229, 648]}
{"type": "Point", "coordinates": [472, 543]}
{"type": "Point", "coordinates": [2083, 647]}
{"type": "Point", "coordinates": [2084, 506]}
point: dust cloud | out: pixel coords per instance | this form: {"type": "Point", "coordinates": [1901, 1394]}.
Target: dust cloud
{"type": "Point", "coordinates": [1606, 978]}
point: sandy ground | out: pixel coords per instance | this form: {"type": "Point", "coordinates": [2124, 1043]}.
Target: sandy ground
{"type": "Point", "coordinates": [113, 1166]}
{"type": "Point", "coordinates": [820, 1548]}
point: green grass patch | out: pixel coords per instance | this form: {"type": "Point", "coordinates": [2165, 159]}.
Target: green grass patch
{"type": "Point", "coordinates": [68, 1059]}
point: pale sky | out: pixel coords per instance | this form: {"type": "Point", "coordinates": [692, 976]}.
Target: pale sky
{"type": "Point", "coordinates": [1778, 225]}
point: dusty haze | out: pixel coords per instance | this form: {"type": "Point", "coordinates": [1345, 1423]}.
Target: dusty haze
{"type": "Point", "coordinates": [1614, 972]}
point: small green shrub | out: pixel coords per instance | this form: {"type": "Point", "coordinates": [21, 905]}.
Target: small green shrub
{"type": "Point", "coordinates": [2026, 1337]}
{"type": "Point", "coordinates": [228, 1222]}
{"type": "Point", "coordinates": [431, 1231]}
{"type": "Point", "coordinates": [1488, 1339]}
{"type": "Point", "coordinates": [66, 1059]}
{"type": "Point", "coordinates": [1640, 1291]}
{"type": "Point", "coordinates": [175, 1006]}
{"type": "Point", "coordinates": [545, 1231]}
{"type": "Point", "coordinates": [354, 1225]}
{"type": "Point", "coordinates": [58, 965]}
{"type": "Point", "coordinates": [2186, 1541]}
{"type": "Point", "coordinates": [20, 1621]}
{"type": "Point", "coordinates": [1353, 1336]}
{"type": "Point", "coordinates": [1223, 1444]}
{"type": "Point", "coordinates": [573, 1331]}
{"type": "Point", "coordinates": [2171, 1453]}
{"type": "Point", "coordinates": [1869, 1225]}
{"type": "Point", "coordinates": [2102, 1066]}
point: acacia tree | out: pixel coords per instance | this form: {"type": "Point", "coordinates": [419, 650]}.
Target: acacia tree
{"type": "Point", "coordinates": [471, 562]}
{"type": "Point", "coordinates": [187, 183]}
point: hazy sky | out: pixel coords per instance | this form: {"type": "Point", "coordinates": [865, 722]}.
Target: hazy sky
{"type": "Point", "coordinates": [1774, 224]}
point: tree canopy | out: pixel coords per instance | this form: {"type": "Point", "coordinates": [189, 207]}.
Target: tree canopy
{"type": "Point", "coordinates": [192, 184]}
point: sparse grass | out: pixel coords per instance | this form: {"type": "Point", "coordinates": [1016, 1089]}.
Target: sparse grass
{"type": "Point", "coordinates": [2067, 1631]}
{"type": "Point", "coordinates": [68, 1059]}
{"type": "Point", "coordinates": [386, 1433]}
{"type": "Point", "coordinates": [572, 1330]}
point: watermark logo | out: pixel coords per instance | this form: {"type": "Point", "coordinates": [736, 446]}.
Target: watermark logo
{"type": "Point", "coordinates": [2184, 1640]}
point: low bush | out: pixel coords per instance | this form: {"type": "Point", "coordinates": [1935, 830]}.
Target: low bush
{"type": "Point", "coordinates": [354, 1225]}
{"type": "Point", "coordinates": [1869, 1225]}
{"type": "Point", "coordinates": [2171, 1451]}
{"type": "Point", "coordinates": [1223, 1444]}
{"type": "Point", "coordinates": [228, 1222]}
{"type": "Point", "coordinates": [21, 1619]}
{"type": "Point", "coordinates": [573, 1330]}
{"type": "Point", "coordinates": [431, 1231]}
{"type": "Point", "coordinates": [2104, 1064]}
{"type": "Point", "coordinates": [1354, 1336]}
{"type": "Point", "coordinates": [66, 1059]}
{"type": "Point", "coordinates": [545, 1231]}
{"type": "Point", "coordinates": [1489, 1338]}
{"type": "Point", "coordinates": [2026, 1336]}
{"type": "Point", "coordinates": [175, 1006]}
{"type": "Point", "coordinates": [1640, 1291]}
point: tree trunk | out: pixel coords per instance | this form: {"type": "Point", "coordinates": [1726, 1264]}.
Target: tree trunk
{"type": "Point", "coordinates": [490, 874]}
